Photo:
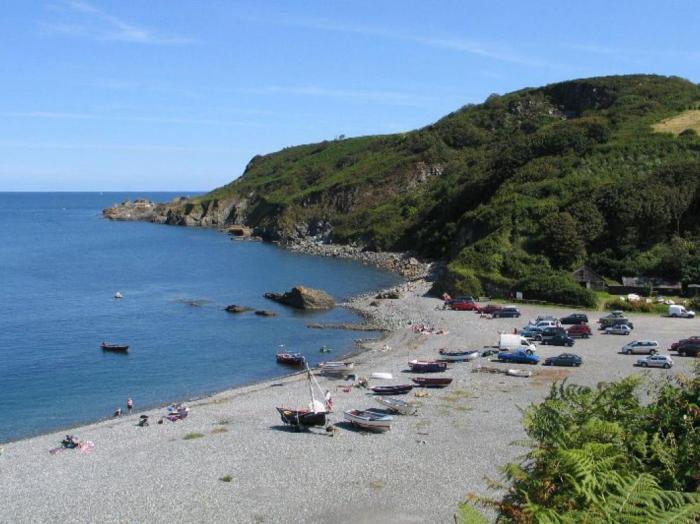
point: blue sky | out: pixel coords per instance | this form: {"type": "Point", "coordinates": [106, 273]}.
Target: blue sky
{"type": "Point", "coordinates": [176, 95]}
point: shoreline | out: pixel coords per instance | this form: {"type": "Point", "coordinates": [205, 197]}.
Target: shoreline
{"type": "Point", "coordinates": [461, 434]}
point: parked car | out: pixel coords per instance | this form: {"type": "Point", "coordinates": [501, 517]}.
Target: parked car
{"type": "Point", "coordinates": [565, 359]}
{"type": "Point", "coordinates": [518, 357]}
{"type": "Point", "coordinates": [490, 309]}
{"type": "Point", "coordinates": [465, 305]}
{"type": "Point", "coordinates": [510, 342]}
{"type": "Point", "coordinates": [507, 312]}
{"type": "Point", "coordinates": [655, 361]}
{"type": "Point", "coordinates": [575, 318]}
{"type": "Point", "coordinates": [622, 329]}
{"type": "Point", "coordinates": [689, 347]}
{"type": "Point", "coordinates": [531, 333]}
{"type": "Point", "coordinates": [543, 324]}
{"type": "Point", "coordinates": [616, 321]}
{"type": "Point", "coordinates": [540, 318]}
{"type": "Point", "coordinates": [674, 346]}
{"type": "Point", "coordinates": [677, 311]}
{"type": "Point", "coordinates": [650, 347]}
{"type": "Point", "coordinates": [557, 337]}
{"type": "Point", "coordinates": [579, 330]}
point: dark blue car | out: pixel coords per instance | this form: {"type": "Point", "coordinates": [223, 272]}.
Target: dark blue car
{"type": "Point", "coordinates": [518, 357]}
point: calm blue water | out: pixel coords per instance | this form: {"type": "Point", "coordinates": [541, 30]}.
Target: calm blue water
{"type": "Point", "coordinates": [60, 265]}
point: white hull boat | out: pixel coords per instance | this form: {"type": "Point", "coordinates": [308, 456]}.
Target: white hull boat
{"type": "Point", "coordinates": [382, 375]}
{"type": "Point", "coordinates": [335, 368]}
{"type": "Point", "coordinates": [368, 420]}
{"type": "Point", "coordinates": [397, 405]}
{"type": "Point", "coordinates": [459, 356]}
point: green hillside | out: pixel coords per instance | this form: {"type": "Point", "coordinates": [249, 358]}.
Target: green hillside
{"type": "Point", "coordinates": [513, 192]}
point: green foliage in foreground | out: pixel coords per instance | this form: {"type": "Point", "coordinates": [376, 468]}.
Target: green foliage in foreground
{"type": "Point", "coordinates": [531, 183]}
{"type": "Point", "coordinates": [601, 455]}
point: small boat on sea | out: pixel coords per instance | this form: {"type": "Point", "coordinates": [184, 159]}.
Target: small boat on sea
{"type": "Point", "coordinates": [458, 356]}
{"type": "Point", "coordinates": [335, 368]}
{"type": "Point", "coordinates": [368, 420]}
{"type": "Point", "coordinates": [427, 366]}
{"type": "Point", "coordinates": [117, 348]}
{"type": "Point", "coordinates": [432, 382]}
{"type": "Point", "coordinates": [400, 389]}
{"type": "Point", "coordinates": [118, 295]}
{"type": "Point", "coordinates": [397, 405]}
{"type": "Point", "coordinates": [291, 359]}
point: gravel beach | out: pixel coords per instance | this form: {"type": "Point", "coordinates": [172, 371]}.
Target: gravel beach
{"type": "Point", "coordinates": [417, 472]}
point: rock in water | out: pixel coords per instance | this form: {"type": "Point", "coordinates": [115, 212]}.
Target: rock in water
{"type": "Point", "coordinates": [235, 308]}
{"type": "Point", "coordinates": [302, 297]}
{"type": "Point", "coordinates": [265, 313]}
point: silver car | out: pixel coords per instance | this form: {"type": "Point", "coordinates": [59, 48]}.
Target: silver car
{"type": "Point", "coordinates": [622, 329]}
{"type": "Point", "coordinates": [656, 361]}
{"type": "Point", "coordinates": [649, 347]}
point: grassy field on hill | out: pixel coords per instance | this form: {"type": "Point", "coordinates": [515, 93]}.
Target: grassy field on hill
{"type": "Point", "coordinates": [512, 193]}
{"type": "Point", "coordinates": [678, 124]}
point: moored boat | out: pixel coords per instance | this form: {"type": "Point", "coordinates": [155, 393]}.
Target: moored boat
{"type": "Point", "coordinates": [118, 348]}
{"type": "Point", "coordinates": [400, 389]}
{"type": "Point", "coordinates": [397, 405]}
{"type": "Point", "coordinates": [458, 356]}
{"type": "Point", "coordinates": [432, 382]}
{"type": "Point", "coordinates": [291, 359]}
{"type": "Point", "coordinates": [369, 419]}
{"type": "Point", "coordinates": [427, 366]}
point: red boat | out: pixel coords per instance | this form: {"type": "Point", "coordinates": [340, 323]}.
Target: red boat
{"type": "Point", "coordinates": [120, 348]}
{"type": "Point", "coordinates": [432, 382]}
{"type": "Point", "coordinates": [291, 359]}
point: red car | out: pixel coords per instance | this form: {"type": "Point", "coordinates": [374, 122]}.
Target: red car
{"type": "Point", "coordinates": [674, 346]}
{"type": "Point", "coordinates": [579, 330]}
{"type": "Point", "coordinates": [490, 309]}
{"type": "Point", "coordinates": [465, 305]}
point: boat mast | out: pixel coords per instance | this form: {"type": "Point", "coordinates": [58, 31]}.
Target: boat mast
{"type": "Point", "coordinates": [311, 389]}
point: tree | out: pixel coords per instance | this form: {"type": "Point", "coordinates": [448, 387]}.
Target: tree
{"type": "Point", "coordinates": [561, 240]}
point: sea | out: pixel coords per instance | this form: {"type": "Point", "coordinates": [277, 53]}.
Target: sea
{"type": "Point", "coordinates": [61, 264]}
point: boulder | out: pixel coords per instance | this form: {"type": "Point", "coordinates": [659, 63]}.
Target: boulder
{"type": "Point", "coordinates": [265, 313]}
{"type": "Point", "coordinates": [390, 294]}
{"type": "Point", "coordinates": [235, 308]}
{"type": "Point", "coordinates": [301, 297]}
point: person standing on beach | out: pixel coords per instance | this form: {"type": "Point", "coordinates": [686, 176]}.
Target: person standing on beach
{"type": "Point", "coordinates": [130, 405]}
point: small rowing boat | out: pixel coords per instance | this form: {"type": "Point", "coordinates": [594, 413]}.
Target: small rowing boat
{"type": "Point", "coordinates": [427, 366]}
{"type": "Point", "coordinates": [400, 389]}
{"type": "Point", "coordinates": [291, 359]}
{"type": "Point", "coordinates": [432, 382]}
{"type": "Point", "coordinates": [368, 420]}
{"type": "Point", "coordinates": [382, 375]}
{"type": "Point", "coordinates": [397, 405]}
{"type": "Point", "coordinates": [458, 356]}
{"type": "Point", "coordinates": [335, 368]}
{"type": "Point", "coordinates": [118, 348]}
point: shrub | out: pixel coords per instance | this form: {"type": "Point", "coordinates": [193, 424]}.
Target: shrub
{"type": "Point", "coordinates": [636, 306]}
{"type": "Point", "coordinates": [192, 436]}
{"type": "Point", "coordinates": [558, 288]}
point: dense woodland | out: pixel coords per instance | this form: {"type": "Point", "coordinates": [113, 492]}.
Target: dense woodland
{"type": "Point", "coordinates": [512, 193]}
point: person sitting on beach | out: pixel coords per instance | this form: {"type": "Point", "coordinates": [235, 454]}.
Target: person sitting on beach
{"type": "Point", "coordinates": [118, 412]}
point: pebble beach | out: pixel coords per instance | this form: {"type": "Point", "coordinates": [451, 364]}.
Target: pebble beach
{"type": "Point", "coordinates": [232, 459]}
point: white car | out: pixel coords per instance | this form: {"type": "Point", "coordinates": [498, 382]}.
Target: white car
{"type": "Point", "coordinates": [649, 347]}
{"type": "Point", "coordinates": [655, 361]}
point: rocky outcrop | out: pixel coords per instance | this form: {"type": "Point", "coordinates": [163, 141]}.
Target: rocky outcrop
{"type": "Point", "coordinates": [132, 210]}
{"type": "Point", "coordinates": [301, 297]}
{"type": "Point", "coordinates": [235, 308]}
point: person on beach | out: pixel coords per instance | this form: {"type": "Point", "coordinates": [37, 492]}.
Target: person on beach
{"type": "Point", "coordinates": [329, 401]}
{"type": "Point", "coordinates": [118, 412]}
{"type": "Point", "coordinates": [130, 405]}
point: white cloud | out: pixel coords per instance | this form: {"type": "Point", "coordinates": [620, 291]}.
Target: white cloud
{"type": "Point", "coordinates": [82, 19]}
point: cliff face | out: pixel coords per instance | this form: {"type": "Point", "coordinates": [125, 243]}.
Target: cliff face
{"type": "Point", "coordinates": [529, 183]}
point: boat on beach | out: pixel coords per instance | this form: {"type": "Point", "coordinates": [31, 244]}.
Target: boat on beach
{"type": "Point", "coordinates": [399, 389]}
{"type": "Point", "coordinates": [368, 419]}
{"type": "Point", "coordinates": [314, 415]}
{"type": "Point", "coordinates": [458, 356]}
{"type": "Point", "coordinates": [397, 405]}
{"type": "Point", "coordinates": [432, 382]}
{"type": "Point", "coordinates": [117, 348]}
{"type": "Point", "coordinates": [427, 366]}
{"type": "Point", "coordinates": [335, 368]}
{"type": "Point", "coordinates": [291, 359]}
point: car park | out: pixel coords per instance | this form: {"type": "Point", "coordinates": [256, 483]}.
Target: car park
{"type": "Point", "coordinates": [575, 318]}
{"type": "Point", "coordinates": [622, 329]}
{"type": "Point", "coordinates": [518, 357]}
{"type": "Point", "coordinates": [507, 312]}
{"type": "Point", "coordinates": [649, 347]}
{"type": "Point", "coordinates": [656, 361]}
{"type": "Point", "coordinates": [565, 359]}
{"type": "Point", "coordinates": [579, 331]}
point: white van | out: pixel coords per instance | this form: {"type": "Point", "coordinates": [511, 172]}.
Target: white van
{"type": "Point", "coordinates": [679, 311]}
{"type": "Point", "coordinates": [507, 342]}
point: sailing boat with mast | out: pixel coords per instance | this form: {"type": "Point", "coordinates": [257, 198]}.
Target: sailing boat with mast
{"type": "Point", "coordinates": [315, 415]}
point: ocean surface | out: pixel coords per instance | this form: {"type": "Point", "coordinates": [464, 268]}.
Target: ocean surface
{"type": "Point", "coordinates": [60, 266]}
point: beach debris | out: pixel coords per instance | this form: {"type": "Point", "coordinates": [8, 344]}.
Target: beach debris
{"type": "Point", "coordinates": [524, 373]}
{"type": "Point", "coordinates": [422, 394]}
